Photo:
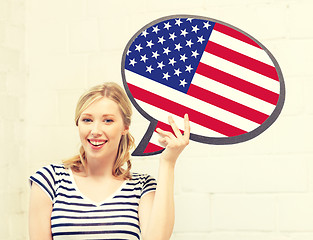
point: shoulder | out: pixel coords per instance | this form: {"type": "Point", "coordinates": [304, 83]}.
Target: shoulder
{"type": "Point", "coordinates": [48, 176]}
{"type": "Point", "coordinates": [144, 182]}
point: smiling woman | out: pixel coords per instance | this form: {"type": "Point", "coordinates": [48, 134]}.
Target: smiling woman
{"type": "Point", "coordinates": [93, 195]}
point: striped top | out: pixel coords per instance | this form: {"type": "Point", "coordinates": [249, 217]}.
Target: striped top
{"type": "Point", "coordinates": [74, 216]}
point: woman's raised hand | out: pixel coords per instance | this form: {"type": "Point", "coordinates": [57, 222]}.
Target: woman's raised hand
{"type": "Point", "coordinates": [174, 143]}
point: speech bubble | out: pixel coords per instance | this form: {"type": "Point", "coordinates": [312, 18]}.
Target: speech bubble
{"type": "Point", "coordinates": [230, 85]}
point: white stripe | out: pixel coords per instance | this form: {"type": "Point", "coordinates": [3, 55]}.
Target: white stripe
{"type": "Point", "coordinates": [163, 116]}
{"type": "Point", "coordinates": [189, 102]}
{"type": "Point", "coordinates": [240, 72]}
{"type": "Point", "coordinates": [233, 94]}
{"type": "Point", "coordinates": [240, 46]}
{"type": "Point", "coordinates": [155, 139]}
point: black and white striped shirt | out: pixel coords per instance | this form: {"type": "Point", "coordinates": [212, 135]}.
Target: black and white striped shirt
{"type": "Point", "coordinates": [74, 216]}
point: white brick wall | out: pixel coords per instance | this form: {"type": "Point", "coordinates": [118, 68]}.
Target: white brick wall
{"type": "Point", "coordinates": [51, 51]}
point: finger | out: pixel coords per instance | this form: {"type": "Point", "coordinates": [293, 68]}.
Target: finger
{"type": "Point", "coordinates": [165, 133]}
{"type": "Point", "coordinates": [187, 127]}
{"type": "Point", "coordinates": [174, 127]}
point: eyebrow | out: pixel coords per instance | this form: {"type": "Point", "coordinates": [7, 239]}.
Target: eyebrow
{"type": "Point", "coordinates": [104, 115]}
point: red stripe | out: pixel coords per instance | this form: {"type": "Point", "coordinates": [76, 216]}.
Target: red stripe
{"type": "Point", "coordinates": [242, 60]}
{"type": "Point", "coordinates": [166, 127]}
{"type": "Point", "coordinates": [235, 34]}
{"type": "Point", "coordinates": [227, 104]}
{"type": "Point", "coordinates": [152, 148]}
{"type": "Point", "coordinates": [237, 83]}
{"type": "Point", "coordinates": [180, 110]}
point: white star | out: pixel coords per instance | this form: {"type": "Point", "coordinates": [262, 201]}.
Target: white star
{"type": "Point", "coordinates": [207, 25]}
{"type": "Point", "coordinates": [138, 47]}
{"type": "Point", "coordinates": [194, 54]}
{"type": "Point", "coordinates": [200, 39]}
{"type": "Point", "coordinates": [189, 19]}
{"type": "Point", "coordinates": [132, 62]}
{"type": "Point", "coordinates": [195, 29]}
{"type": "Point", "coordinates": [161, 40]}
{"type": "Point", "coordinates": [183, 58]}
{"type": "Point", "coordinates": [177, 72]}
{"type": "Point", "coordinates": [178, 47]}
{"type": "Point", "coordinates": [150, 44]}
{"type": "Point", "coordinates": [156, 29]}
{"type": "Point", "coordinates": [144, 58]}
{"type": "Point", "coordinates": [189, 68]}
{"type": "Point", "coordinates": [166, 50]}
{"type": "Point", "coordinates": [167, 25]}
{"type": "Point", "coordinates": [149, 69]}
{"type": "Point", "coordinates": [155, 54]}
{"type": "Point", "coordinates": [166, 76]}
{"type": "Point", "coordinates": [184, 32]}
{"type": "Point", "coordinates": [172, 36]}
{"type": "Point", "coordinates": [144, 33]}
{"type": "Point", "coordinates": [160, 65]}
{"type": "Point", "coordinates": [172, 61]}
{"type": "Point", "coordinates": [128, 52]}
{"type": "Point", "coordinates": [182, 83]}
{"type": "Point", "coordinates": [189, 43]}
{"type": "Point", "coordinates": [178, 22]}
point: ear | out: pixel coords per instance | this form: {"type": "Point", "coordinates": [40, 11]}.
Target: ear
{"type": "Point", "coordinates": [126, 130]}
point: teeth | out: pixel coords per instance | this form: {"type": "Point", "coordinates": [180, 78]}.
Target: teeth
{"type": "Point", "coordinates": [96, 143]}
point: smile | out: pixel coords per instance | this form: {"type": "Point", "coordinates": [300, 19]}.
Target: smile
{"type": "Point", "coordinates": [96, 144]}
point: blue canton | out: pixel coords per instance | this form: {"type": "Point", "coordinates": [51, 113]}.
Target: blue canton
{"type": "Point", "coordinates": [170, 51]}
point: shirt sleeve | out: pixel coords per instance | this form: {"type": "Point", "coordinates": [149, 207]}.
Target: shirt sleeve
{"type": "Point", "coordinates": [149, 185]}
{"type": "Point", "coordinates": [45, 178]}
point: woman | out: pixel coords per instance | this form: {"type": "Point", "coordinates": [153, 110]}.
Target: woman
{"type": "Point", "coordinates": [93, 195]}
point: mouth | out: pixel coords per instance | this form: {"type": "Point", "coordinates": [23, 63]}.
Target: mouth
{"type": "Point", "coordinates": [96, 144]}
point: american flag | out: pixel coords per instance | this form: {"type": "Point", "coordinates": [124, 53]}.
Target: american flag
{"type": "Point", "coordinates": [221, 77]}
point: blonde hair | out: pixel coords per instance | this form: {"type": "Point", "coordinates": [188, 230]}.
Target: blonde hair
{"type": "Point", "coordinates": [114, 92]}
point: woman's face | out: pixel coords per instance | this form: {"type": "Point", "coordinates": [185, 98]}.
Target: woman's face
{"type": "Point", "coordinates": [100, 129]}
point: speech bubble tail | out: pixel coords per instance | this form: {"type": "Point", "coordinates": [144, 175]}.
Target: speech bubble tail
{"type": "Point", "coordinates": [147, 146]}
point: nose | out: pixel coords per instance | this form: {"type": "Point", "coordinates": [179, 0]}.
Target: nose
{"type": "Point", "coordinates": [96, 130]}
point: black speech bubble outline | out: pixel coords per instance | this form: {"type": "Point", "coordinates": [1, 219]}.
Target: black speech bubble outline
{"type": "Point", "coordinates": [139, 151]}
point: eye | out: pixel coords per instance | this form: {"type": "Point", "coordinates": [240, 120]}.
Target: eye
{"type": "Point", "coordinates": [87, 120]}
{"type": "Point", "coordinates": [108, 120]}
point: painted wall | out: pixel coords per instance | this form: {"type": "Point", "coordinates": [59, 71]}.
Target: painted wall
{"type": "Point", "coordinates": [51, 51]}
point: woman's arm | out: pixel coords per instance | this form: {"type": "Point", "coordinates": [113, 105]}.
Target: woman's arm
{"type": "Point", "coordinates": [40, 210]}
{"type": "Point", "coordinates": [156, 209]}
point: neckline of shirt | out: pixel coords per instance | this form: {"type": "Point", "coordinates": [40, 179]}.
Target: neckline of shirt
{"type": "Point", "coordinates": [97, 204]}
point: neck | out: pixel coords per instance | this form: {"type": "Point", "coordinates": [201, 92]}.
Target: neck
{"type": "Point", "coordinates": [99, 168]}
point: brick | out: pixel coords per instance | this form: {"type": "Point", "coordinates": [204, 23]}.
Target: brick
{"type": "Point", "coordinates": [301, 236]}
{"type": "Point", "coordinates": [41, 108]}
{"type": "Point", "coordinates": [295, 99]}
{"type": "Point", "coordinates": [17, 13]}
{"type": "Point", "coordinates": [47, 37]}
{"type": "Point", "coordinates": [188, 236]}
{"type": "Point", "coordinates": [9, 59]}
{"type": "Point", "coordinates": [64, 138]}
{"type": "Point", "coordinates": [66, 105]}
{"type": "Point", "coordinates": [4, 10]}
{"type": "Point", "coordinates": [243, 212]}
{"type": "Point", "coordinates": [114, 34]}
{"type": "Point", "coordinates": [310, 172]}
{"type": "Point", "coordinates": [192, 213]}
{"type": "Point", "coordinates": [57, 72]}
{"type": "Point", "coordinates": [16, 84]}
{"type": "Point", "coordinates": [299, 15]}
{"type": "Point", "coordinates": [50, 10]}
{"type": "Point", "coordinates": [84, 36]}
{"type": "Point", "coordinates": [270, 173]}
{"type": "Point", "coordinates": [213, 175]}
{"type": "Point", "coordinates": [295, 212]}
{"type": "Point", "coordinates": [245, 236]}
{"type": "Point", "coordinates": [296, 48]}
